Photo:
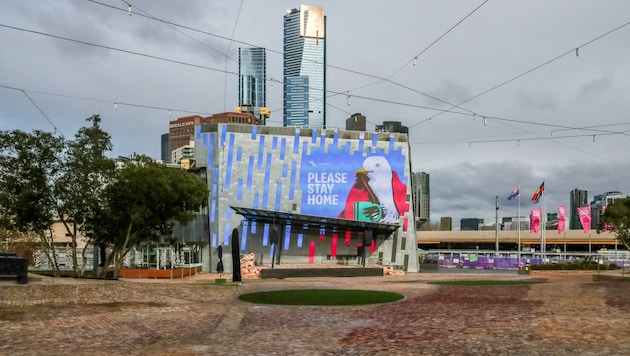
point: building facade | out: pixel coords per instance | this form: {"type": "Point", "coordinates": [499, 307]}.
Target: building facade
{"type": "Point", "coordinates": [305, 67]}
{"type": "Point", "coordinates": [252, 80]}
{"type": "Point", "coordinates": [279, 191]}
{"type": "Point", "coordinates": [182, 131]}
{"type": "Point", "coordinates": [577, 198]}
{"type": "Point", "coordinates": [599, 204]}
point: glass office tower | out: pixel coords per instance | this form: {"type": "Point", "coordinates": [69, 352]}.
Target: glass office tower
{"type": "Point", "coordinates": [305, 67]}
{"type": "Point", "coordinates": [252, 77]}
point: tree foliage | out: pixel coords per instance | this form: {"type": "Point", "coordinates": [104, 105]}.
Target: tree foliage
{"type": "Point", "coordinates": [79, 187]}
{"type": "Point", "coordinates": [142, 203]}
{"type": "Point", "coordinates": [618, 214]}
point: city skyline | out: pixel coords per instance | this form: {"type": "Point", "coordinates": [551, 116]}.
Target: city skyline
{"type": "Point", "coordinates": [540, 87]}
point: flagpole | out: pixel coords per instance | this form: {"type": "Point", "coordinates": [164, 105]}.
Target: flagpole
{"type": "Point", "coordinates": [518, 226]}
{"type": "Point", "coordinates": [543, 242]}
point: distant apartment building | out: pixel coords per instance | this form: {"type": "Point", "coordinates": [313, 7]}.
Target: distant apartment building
{"type": "Point", "coordinates": [356, 122]}
{"type": "Point", "coordinates": [182, 153]}
{"type": "Point", "coordinates": [513, 222]}
{"type": "Point", "coordinates": [305, 67]}
{"type": "Point", "coordinates": [470, 223]}
{"type": "Point", "coordinates": [446, 223]}
{"type": "Point", "coordinates": [392, 126]}
{"type": "Point", "coordinates": [577, 198]}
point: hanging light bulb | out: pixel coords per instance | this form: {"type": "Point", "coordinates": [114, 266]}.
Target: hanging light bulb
{"type": "Point", "coordinates": [485, 121]}
{"type": "Point", "coordinates": [348, 96]}
{"type": "Point", "coordinates": [474, 116]}
{"type": "Point", "coordinates": [519, 142]}
{"type": "Point", "coordinates": [169, 113]}
{"type": "Point", "coordinates": [577, 52]}
{"type": "Point", "coordinates": [415, 60]}
{"type": "Point", "coordinates": [593, 138]}
{"type": "Point", "coordinates": [129, 9]}
{"type": "Point", "coordinates": [115, 106]}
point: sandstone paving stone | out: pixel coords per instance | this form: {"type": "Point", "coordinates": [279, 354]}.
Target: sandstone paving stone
{"type": "Point", "coordinates": [570, 314]}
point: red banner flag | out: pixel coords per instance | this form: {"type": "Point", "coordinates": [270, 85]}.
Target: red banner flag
{"type": "Point", "coordinates": [584, 212]}
{"type": "Point", "coordinates": [534, 220]}
{"type": "Point", "coordinates": [562, 217]}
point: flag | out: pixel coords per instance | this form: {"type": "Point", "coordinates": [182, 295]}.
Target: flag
{"type": "Point", "coordinates": [535, 217]}
{"type": "Point", "coordinates": [538, 193]}
{"type": "Point", "coordinates": [562, 217]}
{"type": "Point", "coordinates": [584, 213]}
{"type": "Point", "coordinates": [514, 194]}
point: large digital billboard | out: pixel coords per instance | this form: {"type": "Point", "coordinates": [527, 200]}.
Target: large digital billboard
{"type": "Point", "coordinates": [367, 188]}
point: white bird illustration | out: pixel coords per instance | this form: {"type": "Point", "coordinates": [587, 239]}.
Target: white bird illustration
{"type": "Point", "coordinates": [380, 174]}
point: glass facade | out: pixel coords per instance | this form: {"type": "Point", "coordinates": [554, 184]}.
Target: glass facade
{"type": "Point", "coordinates": [252, 80]}
{"type": "Point", "coordinates": [305, 67]}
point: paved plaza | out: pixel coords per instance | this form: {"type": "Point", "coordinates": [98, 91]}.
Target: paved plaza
{"type": "Point", "coordinates": [568, 314]}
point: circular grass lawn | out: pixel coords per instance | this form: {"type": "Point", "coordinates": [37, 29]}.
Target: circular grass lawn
{"type": "Point", "coordinates": [321, 297]}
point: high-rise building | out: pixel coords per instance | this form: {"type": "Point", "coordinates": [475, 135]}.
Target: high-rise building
{"type": "Point", "coordinates": [252, 80]}
{"type": "Point", "coordinates": [577, 199]}
{"type": "Point", "coordinates": [165, 152]}
{"type": "Point", "coordinates": [305, 67]}
{"type": "Point", "coordinates": [421, 197]}
{"type": "Point", "coordinates": [470, 223]}
{"type": "Point", "coordinates": [446, 223]}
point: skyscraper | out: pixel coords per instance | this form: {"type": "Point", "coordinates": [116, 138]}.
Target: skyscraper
{"type": "Point", "coordinates": [305, 67]}
{"type": "Point", "coordinates": [421, 197]}
{"type": "Point", "coordinates": [577, 199]}
{"type": "Point", "coordinates": [252, 80]}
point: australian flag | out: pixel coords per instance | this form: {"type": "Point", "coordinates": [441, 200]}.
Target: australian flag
{"type": "Point", "coordinates": [514, 194]}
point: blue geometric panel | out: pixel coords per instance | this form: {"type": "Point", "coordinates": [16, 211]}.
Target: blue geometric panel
{"type": "Point", "coordinates": [261, 151]}
{"type": "Point", "coordinates": [296, 142]}
{"type": "Point", "coordinates": [223, 134]}
{"type": "Point", "coordinates": [243, 239]}
{"type": "Point", "coordinates": [228, 163]}
{"type": "Point", "coordinates": [239, 191]}
{"type": "Point", "coordinates": [285, 170]}
{"type": "Point", "coordinates": [266, 187]}
{"type": "Point", "coordinates": [300, 240]}
{"type": "Point", "coordinates": [278, 196]}
{"type": "Point", "coordinates": [274, 143]}
{"type": "Point", "coordinates": [335, 138]}
{"type": "Point", "coordinates": [265, 236]}
{"type": "Point", "coordinates": [283, 147]}
{"type": "Point", "coordinates": [287, 237]}
{"type": "Point", "coordinates": [254, 130]}
{"type": "Point", "coordinates": [228, 234]}
{"type": "Point", "coordinates": [239, 152]}
{"type": "Point", "coordinates": [250, 172]}
{"type": "Point", "coordinates": [374, 137]}
{"type": "Point", "coordinates": [293, 179]}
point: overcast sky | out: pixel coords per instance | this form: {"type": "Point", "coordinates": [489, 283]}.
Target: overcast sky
{"type": "Point", "coordinates": [552, 113]}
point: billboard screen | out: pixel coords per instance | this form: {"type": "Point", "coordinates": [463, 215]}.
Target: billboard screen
{"type": "Point", "coordinates": [367, 188]}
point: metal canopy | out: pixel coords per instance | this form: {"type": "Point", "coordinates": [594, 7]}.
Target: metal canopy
{"type": "Point", "coordinates": [280, 217]}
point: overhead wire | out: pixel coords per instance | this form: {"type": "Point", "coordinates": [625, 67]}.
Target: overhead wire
{"type": "Point", "coordinates": [337, 93]}
{"type": "Point", "coordinates": [505, 82]}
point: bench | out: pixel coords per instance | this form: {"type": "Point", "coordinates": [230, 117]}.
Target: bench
{"type": "Point", "coordinates": [13, 266]}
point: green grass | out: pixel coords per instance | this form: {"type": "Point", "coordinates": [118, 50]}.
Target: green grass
{"type": "Point", "coordinates": [484, 282]}
{"type": "Point", "coordinates": [321, 297]}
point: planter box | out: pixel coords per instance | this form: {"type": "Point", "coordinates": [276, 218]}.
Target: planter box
{"type": "Point", "coordinates": [159, 273]}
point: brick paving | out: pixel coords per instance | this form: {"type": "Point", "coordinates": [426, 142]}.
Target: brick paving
{"type": "Point", "coordinates": [568, 314]}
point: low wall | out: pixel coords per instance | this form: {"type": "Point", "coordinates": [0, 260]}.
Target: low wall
{"type": "Point", "coordinates": [319, 272]}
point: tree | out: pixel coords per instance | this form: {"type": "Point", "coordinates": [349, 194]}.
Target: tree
{"type": "Point", "coordinates": [618, 215]}
{"type": "Point", "coordinates": [141, 204]}
{"type": "Point", "coordinates": [78, 189]}
{"type": "Point", "coordinates": [29, 166]}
